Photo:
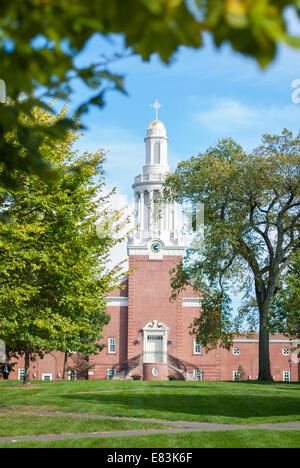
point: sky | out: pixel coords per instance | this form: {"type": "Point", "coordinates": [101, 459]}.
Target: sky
{"type": "Point", "coordinates": [207, 94]}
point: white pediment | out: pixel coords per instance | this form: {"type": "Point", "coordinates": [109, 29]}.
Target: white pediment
{"type": "Point", "coordinates": [155, 325]}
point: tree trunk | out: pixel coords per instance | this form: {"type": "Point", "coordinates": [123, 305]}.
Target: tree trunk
{"type": "Point", "coordinates": [26, 380]}
{"type": "Point", "coordinates": [264, 356]}
{"type": "Point", "coordinates": [264, 372]}
{"type": "Point", "coordinates": [65, 365]}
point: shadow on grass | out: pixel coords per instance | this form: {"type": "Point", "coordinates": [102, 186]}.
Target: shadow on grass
{"type": "Point", "coordinates": [175, 406]}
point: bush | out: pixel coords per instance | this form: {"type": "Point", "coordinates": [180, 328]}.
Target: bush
{"type": "Point", "coordinates": [173, 377]}
{"type": "Point", "coordinates": [136, 377]}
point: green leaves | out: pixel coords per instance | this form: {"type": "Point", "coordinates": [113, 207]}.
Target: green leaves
{"type": "Point", "coordinates": [286, 306]}
{"type": "Point", "coordinates": [41, 40]}
{"type": "Point", "coordinates": [252, 212]}
{"type": "Point", "coordinates": [53, 269]}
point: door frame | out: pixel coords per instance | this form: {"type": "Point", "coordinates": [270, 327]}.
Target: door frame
{"type": "Point", "coordinates": [155, 328]}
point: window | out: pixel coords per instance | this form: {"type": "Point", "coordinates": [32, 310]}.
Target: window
{"type": "Point", "coordinates": [21, 374]}
{"type": "Point", "coordinates": [111, 373]}
{"type": "Point", "coordinates": [286, 351]}
{"type": "Point", "coordinates": [198, 374]}
{"type": "Point", "coordinates": [112, 345]}
{"type": "Point", "coordinates": [154, 337]}
{"type": "Point", "coordinates": [72, 374]}
{"type": "Point", "coordinates": [197, 347]}
{"type": "Point", "coordinates": [47, 377]}
{"type": "Point", "coordinates": [286, 376]}
{"type": "Point", "coordinates": [156, 153]}
{"type": "Point", "coordinates": [236, 375]}
{"type": "Point", "coordinates": [236, 351]}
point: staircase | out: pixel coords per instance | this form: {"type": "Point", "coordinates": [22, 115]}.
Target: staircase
{"type": "Point", "coordinates": [182, 367]}
{"type": "Point", "coordinates": [124, 369]}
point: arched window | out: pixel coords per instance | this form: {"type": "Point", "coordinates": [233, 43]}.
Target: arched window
{"type": "Point", "coordinates": [156, 153]}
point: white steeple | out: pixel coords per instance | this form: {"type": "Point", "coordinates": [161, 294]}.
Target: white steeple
{"type": "Point", "coordinates": [154, 220]}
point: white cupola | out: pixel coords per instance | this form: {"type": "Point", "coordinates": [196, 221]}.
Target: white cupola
{"type": "Point", "coordinates": [156, 143]}
{"type": "Point", "coordinates": [154, 220]}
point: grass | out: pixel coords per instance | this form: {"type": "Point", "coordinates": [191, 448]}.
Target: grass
{"type": "Point", "coordinates": [12, 424]}
{"type": "Point", "coordinates": [221, 402]}
{"type": "Point", "coordinates": [254, 438]}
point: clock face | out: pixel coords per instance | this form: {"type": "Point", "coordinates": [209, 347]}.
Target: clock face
{"type": "Point", "coordinates": [156, 247]}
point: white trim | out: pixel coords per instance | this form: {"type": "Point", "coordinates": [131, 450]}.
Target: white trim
{"type": "Point", "coordinates": [196, 343]}
{"type": "Point", "coordinates": [191, 302]}
{"type": "Point", "coordinates": [250, 340]}
{"type": "Point", "coordinates": [155, 325]}
{"type": "Point", "coordinates": [167, 252]}
{"type": "Point", "coordinates": [153, 329]}
{"type": "Point", "coordinates": [116, 301]}
{"type": "Point", "coordinates": [198, 373]}
{"type": "Point", "coordinates": [110, 373]}
{"type": "Point", "coordinates": [21, 371]}
{"type": "Point", "coordinates": [288, 374]}
{"type": "Point", "coordinates": [46, 375]}
{"type": "Point", "coordinates": [112, 343]}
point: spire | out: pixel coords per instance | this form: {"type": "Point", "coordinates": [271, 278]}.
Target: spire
{"type": "Point", "coordinates": [156, 106]}
{"type": "Point", "coordinates": [154, 219]}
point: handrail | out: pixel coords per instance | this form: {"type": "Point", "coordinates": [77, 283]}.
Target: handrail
{"type": "Point", "coordinates": [128, 364]}
{"type": "Point", "coordinates": [125, 365]}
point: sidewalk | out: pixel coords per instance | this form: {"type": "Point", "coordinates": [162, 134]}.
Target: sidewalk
{"type": "Point", "coordinates": [182, 426]}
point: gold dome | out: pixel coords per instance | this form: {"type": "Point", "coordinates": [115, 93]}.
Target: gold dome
{"type": "Point", "coordinates": [156, 124]}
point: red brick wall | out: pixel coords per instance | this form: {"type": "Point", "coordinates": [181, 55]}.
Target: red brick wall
{"type": "Point", "coordinates": [148, 291]}
{"type": "Point", "coordinates": [149, 294]}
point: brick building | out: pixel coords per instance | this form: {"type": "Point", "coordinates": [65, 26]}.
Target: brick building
{"type": "Point", "coordinates": [148, 335]}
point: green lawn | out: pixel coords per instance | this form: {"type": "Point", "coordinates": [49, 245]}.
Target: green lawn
{"type": "Point", "coordinates": [254, 438]}
{"type": "Point", "coordinates": [12, 424]}
{"type": "Point", "coordinates": [221, 402]}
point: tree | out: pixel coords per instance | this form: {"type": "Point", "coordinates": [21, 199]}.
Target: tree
{"type": "Point", "coordinates": [80, 369]}
{"type": "Point", "coordinates": [252, 208]}
{"type": "Point", "coordinates": [54, 271]}
{"type": "Point", "coordinates": [40, 42]}
{"type": "Point", "coordinates": [242, 373]}
{"type": "Point", "coordinates": [286, 308]}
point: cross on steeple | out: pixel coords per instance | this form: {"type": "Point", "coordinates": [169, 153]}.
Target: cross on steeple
{"type": "Point", "coordinates": [156, 106]}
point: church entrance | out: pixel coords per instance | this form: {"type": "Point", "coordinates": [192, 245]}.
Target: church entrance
{"type": "Point", "coordinates": [155, 342]}
{"type": "Point", "coordinates": [154, 349]}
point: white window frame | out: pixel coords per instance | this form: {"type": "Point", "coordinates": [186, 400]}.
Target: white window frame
{"type": "Point", "coordinates": [21, 373]}
{"type": "Point", "coordinates": [156, 153]}
{"type": "Point", "coordinates": [235, 375]}
{"type": "Point", "coordinates": [198, 374]}
{"type": "Point", "coordinates": [110, 373]}
{"type": "Point", "coordinates": [286, 351]}
{"type": "Point", "coordinates": [112, 345]}
{"type": "Point", "coordinates": [48, 374]}
{"type": "Point", "coordinates": [197, 347]}
{"type": "Point", "coordinates": [286, 376]}
{"type": "Point", "coordinates": [236, 351]}
{"type": "Point", "coordinates": [72, 375]}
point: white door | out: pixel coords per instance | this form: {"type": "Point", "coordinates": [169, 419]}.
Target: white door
{"type": "Point", "coordinates": [154, 348]}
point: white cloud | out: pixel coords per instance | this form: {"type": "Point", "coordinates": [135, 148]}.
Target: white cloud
{"type": "Point", "coordinates": [246, 122]}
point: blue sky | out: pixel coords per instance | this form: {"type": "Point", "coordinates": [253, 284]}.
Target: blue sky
{"type": "Point", "coordinates": [207, 94]}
